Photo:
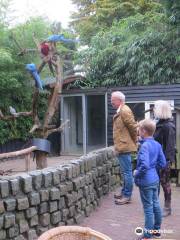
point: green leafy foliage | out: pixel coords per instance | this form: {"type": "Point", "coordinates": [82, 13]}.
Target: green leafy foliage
{"type": "Point", "coordinates": [94, 16]}
{"type": "Point", "coordinates": [172, 9]}
{"type": "Point", "coordinates": [138, 50]}
{"type": "Point", "coordinates": [16, 85]}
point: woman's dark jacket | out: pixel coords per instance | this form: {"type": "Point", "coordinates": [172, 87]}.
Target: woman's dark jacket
{"type": "Point", "coordinates": [165, 134]}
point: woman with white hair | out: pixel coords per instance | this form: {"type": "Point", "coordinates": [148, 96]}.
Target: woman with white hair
{"type": "Point", "coordinates": [165, 134]}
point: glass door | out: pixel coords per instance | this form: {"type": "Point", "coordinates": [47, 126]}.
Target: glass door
{"type": "Point", "coordinates": [95, 122]}
{"type": "Point", "coordinates": [72, 135]}
{"type": "Point", "coordinates": [86, 130]}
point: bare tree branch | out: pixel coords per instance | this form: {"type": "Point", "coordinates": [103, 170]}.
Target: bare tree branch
{"type": "Point", "coordinates": [16, 115]}
{"type": "Point", "coordinates": [1, 114]}
{"type": "Point", "coordinates": [18, 153]}
{"type": "Point", "coordinates": [54, 97]}
{"type": "Point", "coordinates": [22, 50]}
{"type": "Point", "coordinates": [26, 50]}
{"type": "Point", "coordinates": [41, 66]}
{"type": "Point", "coordinates": [59, 129]}
{"type": "Point", "coordinates": [37, 43]}
{"type": "Point", "coordinates": [37, 123]}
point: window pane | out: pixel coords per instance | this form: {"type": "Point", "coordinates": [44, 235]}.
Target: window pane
{"type": "Point", "coordinates": [73, 132]}
{"type": "Point", "coordinates": [96, 122]}
{"type": "Point", "coordinates": [138, 109]}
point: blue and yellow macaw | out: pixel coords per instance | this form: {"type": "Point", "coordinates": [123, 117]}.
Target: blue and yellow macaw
{"type": "Point", "coordinates": [31, 67]}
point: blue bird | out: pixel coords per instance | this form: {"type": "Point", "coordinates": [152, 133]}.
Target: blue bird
{"type": "Point", "coordinates": [33, 70]}
{"type": "Point", "coordinates": [59, 38]}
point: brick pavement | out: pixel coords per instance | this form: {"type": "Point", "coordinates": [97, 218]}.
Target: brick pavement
{"type": "Point", "coordinates": [119, 222]}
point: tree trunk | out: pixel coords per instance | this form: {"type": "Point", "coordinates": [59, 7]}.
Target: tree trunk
{"type": "Point", "coordinates": [41, 160]}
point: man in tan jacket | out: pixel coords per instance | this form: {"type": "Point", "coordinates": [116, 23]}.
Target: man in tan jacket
{"type": "Point", "coordinates": [125, 138]}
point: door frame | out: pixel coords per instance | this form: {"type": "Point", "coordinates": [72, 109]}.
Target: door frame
{"type": "Point", "coordinates": [84, 109]}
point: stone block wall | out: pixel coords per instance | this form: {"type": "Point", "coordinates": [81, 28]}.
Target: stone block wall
{"type": "Point", "coordinates": [32, 203]}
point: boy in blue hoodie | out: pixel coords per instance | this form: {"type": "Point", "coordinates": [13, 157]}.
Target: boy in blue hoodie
{"type": "Point", "coordinates": [150, 159]}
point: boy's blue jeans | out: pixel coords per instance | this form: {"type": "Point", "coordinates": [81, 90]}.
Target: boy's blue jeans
{"type": "Point", "coordinates": [126, 172]}
{"type": "Point", "coordinates": [152, 210]}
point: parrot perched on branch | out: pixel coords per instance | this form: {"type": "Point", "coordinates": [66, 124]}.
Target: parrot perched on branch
{"type": "Point", "coordinates": [12, 111]}
{"type": "Point", "coordinates": [34, 72]}
{"type": "Point", "coordinates": [59, 38]}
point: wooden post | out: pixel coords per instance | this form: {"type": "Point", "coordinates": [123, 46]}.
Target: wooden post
{"type": "Point", "coordinates": [178, 144]}
{"type": "Point", "coordinates": [26, 152]}
{"type": "Point", "coordinates": [27, 161]}
{"type": "Point", "coordinates": [41, 160]}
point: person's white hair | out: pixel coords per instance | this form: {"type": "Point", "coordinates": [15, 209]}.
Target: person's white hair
{"type": "Point", "coordinates": [119, 95]}
{"type": "Point", "coordinates": [162, 109]}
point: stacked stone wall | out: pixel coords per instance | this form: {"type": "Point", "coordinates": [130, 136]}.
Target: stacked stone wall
{"type": "Point", "coordinates": [32, 203]}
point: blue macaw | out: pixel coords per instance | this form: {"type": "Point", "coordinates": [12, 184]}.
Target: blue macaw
{"type": "Point", "coordinates": [59, 38]}
{"type": "Point", "coordinates": [31, 67]}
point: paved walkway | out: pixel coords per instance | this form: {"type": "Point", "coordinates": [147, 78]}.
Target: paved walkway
{"type": "Point", "coordinates": [119, 222]}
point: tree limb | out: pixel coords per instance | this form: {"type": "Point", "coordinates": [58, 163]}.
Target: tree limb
{"type": "Point", "coordinates": [18, 153]}
{"type": "Point", "coordinates": [1, 114]}
{"type": "Point", "coordinates": [41, 66]}
{"type": "Point", "coordinates": [59, 129]}
{"type": "Point", "coordinates": [37, 123]}
{"type": "Point", "coordinates": [54, 97]}
{"type": "Point", "coordinates": [37, 43]}
{"type": "Point", "coordinates": [16, 115]}
{"type": "Point", "coordinates": [22, 50]}
{"type": "Point", "coordinates": [26, 50]}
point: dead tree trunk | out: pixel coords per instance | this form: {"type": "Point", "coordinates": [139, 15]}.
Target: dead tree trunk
{"type": "Point", "coordinates": [41, 159]}
{"type": "Point", "coordinates": [44, 129]}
